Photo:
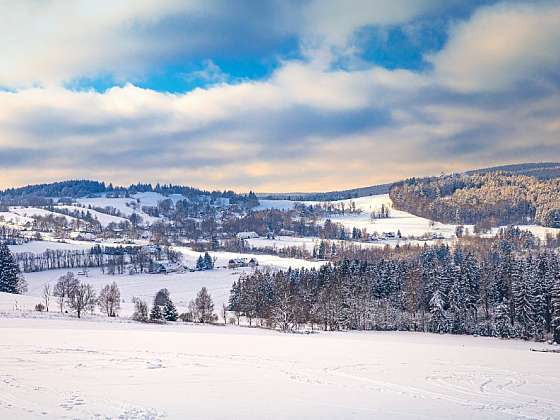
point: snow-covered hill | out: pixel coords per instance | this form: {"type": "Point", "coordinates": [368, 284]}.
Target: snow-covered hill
{"type": "Point", "coordinates": [408, 224]}
{"type": "Point", "coordinates": [84, 369]}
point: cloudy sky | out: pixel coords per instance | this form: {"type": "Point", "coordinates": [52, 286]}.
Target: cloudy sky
{"type": "Point", "coordinates": [279, 95]}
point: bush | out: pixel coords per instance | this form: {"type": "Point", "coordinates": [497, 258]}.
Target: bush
{"type": "Point", "coordinates": [39, 307]}
{"type": "Point", "coordinates": [140, 310]}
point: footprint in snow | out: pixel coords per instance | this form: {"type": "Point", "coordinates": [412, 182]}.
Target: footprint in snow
{"type": "Point", "coordinates": [155, 364]}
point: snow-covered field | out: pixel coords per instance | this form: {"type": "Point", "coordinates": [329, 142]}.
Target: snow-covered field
{"type": "Point", "coordinates": [97, 370]}
{"type": "Point", "coordinates": [134, 204]}
{"type": "Point", "coordinates": [182, 286]}
{"type": "Point", "coordinates": [408, 224]}
{"type": "Point", "coordinates": [39, 247]}
{"type": "Point", "coordinates": [104, 219]}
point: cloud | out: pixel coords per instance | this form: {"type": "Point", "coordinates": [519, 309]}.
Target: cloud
{"type": "Point", "coordinates": [302, 129]}
{"type": "Point", "coordinates": [502, 46]}
{"type": "Point", "coordinates": [49, 43]}
{"type": "Point", "coordinates": [491, 97]}
{"type": "Point", "coordinates": [57, 42]}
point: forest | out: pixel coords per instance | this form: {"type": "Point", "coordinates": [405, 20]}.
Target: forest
{"type": "Point", "coordinates": [484, 200]}
{"type": "Point", "coordinates": [507, 286]}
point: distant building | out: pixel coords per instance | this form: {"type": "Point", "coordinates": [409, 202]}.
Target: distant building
{"type": "Point", "coordinates": [165, 267]}
{"type": "Point", "coordinates": [247, 235]}
{"type": "Point", "coordinates": [242, 262]}
{"type": "Point", "coordinates": [82, 236]}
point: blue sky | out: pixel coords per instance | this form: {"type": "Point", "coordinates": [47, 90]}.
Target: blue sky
{"type": "Point", "coordinates": [275, 95]}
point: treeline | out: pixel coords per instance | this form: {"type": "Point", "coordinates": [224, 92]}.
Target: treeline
{"type": "Point", "coordinates": [485, 200]}
{"type": "Point", "coordinates": [484, 287]}
{"type": "Point", "coordinates": [73, 188]}
{"type": "Point", "coordinates": [111, 260]}
{"type": "Point", "coordinates": [42, 194]}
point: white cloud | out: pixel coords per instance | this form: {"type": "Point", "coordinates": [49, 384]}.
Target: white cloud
{"type": "Point", "coordinates": [335, 22]}
{"type": "Point", "coordinates": [302, 129]}
{"type": "Point", "coordinates": [501, 46]}
{"type": "Point", "coordinates": [56, 41]}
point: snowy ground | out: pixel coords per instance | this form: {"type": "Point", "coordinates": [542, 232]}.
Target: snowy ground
{"type": "Point", "coordinates": [539, 231]}
{"type": "Point", "coordinates": [38, 247]}
{"type": "Point", "coordinates": [182, 286]}
{"type": "Point", "coordinates": [408, 224]}
{"type": "Point", "coordinates": [134, 204]}
{"type": "Point", "coordinates": [84, 369]}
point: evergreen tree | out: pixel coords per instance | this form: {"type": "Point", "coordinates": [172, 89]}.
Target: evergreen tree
{"type": "Point", "coordinates": [502, 323]}
{"type": "Point", "coordinates": [170, 312]}
{"type": "Point", "coordinates": [9, 271]}
{"type": "Point", "coordinates": [523, 303]}
{"type": "Point", "coordinates": [156, 313]}
{"type": "Point", "coordinates": [556, 310]}
{"type": "Point", "coordinates": [208, 262]}
{"type": "Point", "coordinates": [200, 263]}
{"type": "Point", "coordinates": [439, 322]}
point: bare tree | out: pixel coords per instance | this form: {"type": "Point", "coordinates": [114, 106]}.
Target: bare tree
{"type": "Point", "coordinates": [204, 305]}
{"type": "Point", "coordinates": [109, 300]}
{"type": "Point", "coordinates": [140, 310]}
{"type": "Point", "coordinates": [224, 312]}
{"type": "Point", "coordinates": [64, 288]}
{"type": "Point", "coordinates": [47, 295]}
{"type": "Point", "coordinates": [82, 298]}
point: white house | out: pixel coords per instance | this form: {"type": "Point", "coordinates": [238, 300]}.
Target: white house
{"type": "Point", "coordinates": [247, 235]}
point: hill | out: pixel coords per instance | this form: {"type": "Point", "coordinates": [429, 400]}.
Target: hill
{"type": "Point", "coordinates": [544, 170]}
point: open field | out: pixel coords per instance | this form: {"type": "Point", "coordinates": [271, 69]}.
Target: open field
{"type": "Point", "coordinates": [85, 369]}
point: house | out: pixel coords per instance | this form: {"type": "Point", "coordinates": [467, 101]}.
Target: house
{"type": "Point", "coordinates": [165, 267]}
{"type": "Point", "coordinates": [82, 236]}
{"type": "Point", "coordinates": [242, 262]}
{"type": "Point", "coordinates": [286, 232]}
{"type": "Point", "coordinates": [247, 235]}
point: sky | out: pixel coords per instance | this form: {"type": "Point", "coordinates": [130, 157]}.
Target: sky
{"type": "Point", "coordinates": [275, 95]}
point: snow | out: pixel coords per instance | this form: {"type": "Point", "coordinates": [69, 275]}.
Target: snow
{"type": "Point", "coordinates": [125, 205]}
{"type": "Point", "coordinates": [30, 212]}
{"type": "Point", "coordinates": [82, 369]}
{"type": "Point", "coordinates": [104, 219]}
{"type": "Point", "coordinates": [182, 286]}
{"type": "Point", "coordinates": [276, 204]}
{"type": "Point", "coordinates": [539, 231]}
{"type": "Point", "coordinates": [223, 257]}
{"type": "Point", "coordinates": [407, 223]}
{"type": "Point", "coordinates": [38, 247]}
{"type": "Point", "coordinates": [281, 242]}
{"type": "Point", "coordinates": [15, 219]}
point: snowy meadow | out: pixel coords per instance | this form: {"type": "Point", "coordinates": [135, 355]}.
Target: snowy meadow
{"type": "Point", "coordinates": [73, 369]}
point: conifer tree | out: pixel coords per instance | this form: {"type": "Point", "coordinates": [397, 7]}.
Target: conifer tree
{"type": "Point", "coordinates": [556, 310]}
{"type": "Point", "coordinates": [9, 271]}
{"type": "Point", "coordinates": [200, 263]}
{"type": "Point", "coordinates": [502, 323]}
{"type": "Point", "coordinates": [439, 321]}
{"type": "Point", "coordinates": [208, 262]}
{"type": "Point", "coordinates": [170, 312]}
{"type": "Point", "coordinates": [523, 303]}
{"type": "Point", "coordinates": [156, 314]}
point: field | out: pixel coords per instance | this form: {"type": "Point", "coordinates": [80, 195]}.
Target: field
{"type": "Point", "coordinates": [408, 224]}
{"type": "Point", "coordinates": [85, 369]}
{"type": "Point", "coordinates": [182, 286]}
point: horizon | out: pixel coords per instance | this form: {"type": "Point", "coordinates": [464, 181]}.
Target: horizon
{"type": "Point", "coordinates": [209, 188]}
{"type": "Point", "coordinates": [305, 97]}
